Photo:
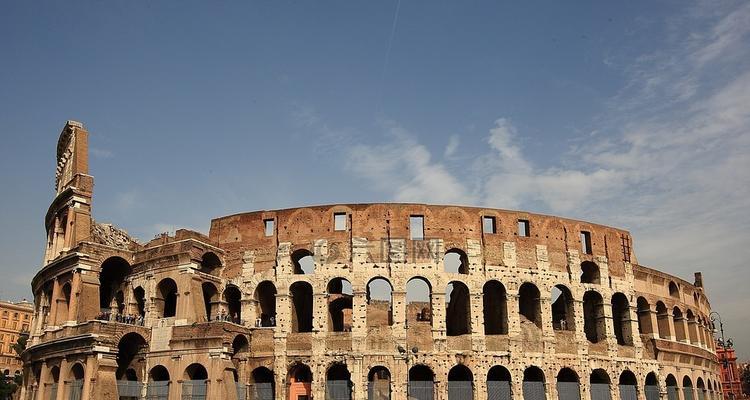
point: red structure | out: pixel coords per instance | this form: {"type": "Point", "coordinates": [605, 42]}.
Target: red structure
{"type": "Point", "coordinates": [730, 374]}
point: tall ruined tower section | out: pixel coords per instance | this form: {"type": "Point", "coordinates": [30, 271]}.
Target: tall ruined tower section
{"type": "Point", "coordinates": [68, 220]}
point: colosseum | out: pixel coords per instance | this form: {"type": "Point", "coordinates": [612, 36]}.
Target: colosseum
{"type": "Point", "coordinates": [357, 301]}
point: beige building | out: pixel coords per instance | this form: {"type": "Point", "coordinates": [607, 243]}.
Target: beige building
{"type": "Point", "coordinates": [15, 318]}
{"type": "Point", "coordinates": [357, 301]}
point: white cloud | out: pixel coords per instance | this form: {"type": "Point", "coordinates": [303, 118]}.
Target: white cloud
{"type": "Point", "coordinates": [101, 153]}
{"type": "Point", "coordinates": [452, 146]}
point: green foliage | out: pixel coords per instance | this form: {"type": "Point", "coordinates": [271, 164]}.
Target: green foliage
{"type": "Point", "coordinates": [7, 386]}
{"type": "Point", "coordinates": [20, 345]}
{"type": "Point", "coordinates": [745, 380]}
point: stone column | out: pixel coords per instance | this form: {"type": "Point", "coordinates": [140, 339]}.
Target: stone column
{"type": "Point", "coordinates": [514, 321]}
{"type": "Point", "coordinates": [88, 377]}
{"type": "Point", "coordinates": [53, 302]}
{"type": "Point", "coordinates": [398, 305]}
{"type": "Point", "coordinates": [62, 387]}
{"type": "Point", "coordinates": [75, 290]}
{"type": "Point", "coordinates": [44, 378]}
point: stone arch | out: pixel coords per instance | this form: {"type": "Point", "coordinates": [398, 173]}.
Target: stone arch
{"type": "Point", "coordinates": [568, 385]}
{"type": "Point", "coordinates": [700, 387]}
{"type": "Point", "coordinates": [210, 263]}
{"type": "Point", "coordinates": [458, 309]}
{"type": "Point", "coordinates": [303, 262]}
{"type": "Point", "coordinates": [662, 320]}
{"type": "Point", "coordinates": [139, 295]}
{"type": "Point", "coordinates": [621, 319]}
{"type": "Point", "coordinates": [687, 388]}
{"type": "Point", "coordinates": [594, 322]}
{"type": "Point", "coordinates": [599, 383]}
{"type": "Point", "coordinates": [563, 309]}
{"type": "Point", "coordinates": [196, 371]}
{"type": "Point", "coordinates": [338, 382]}
{"type": "Point", "coordinates": [692, 333]}
{"type": "Point", "coordinates": [299, 380]}
{"type": "Point", "coordinates": [674, 290]}
{"type": "Point", "coordinates": [644, 316]}
{"type": "Point", "coordinates": [418, 301]}
{"type": "Point", "coordinates": [158, 373]}
{"type": "Point", "coordinates": [498, 383]}
{"type": "Point", "coordinates": [129, 348]}
{"type": "Point", "coordinates": [456, 261]}
{"type": "Point", "coordinates": [265, 304]}
{"type": "Point", "coordinates": [421, 382]}
{"type": "Point", "coordinates": [495, 302]}
{"type": "Point", "coordinates": [628, 385]}
{"type": "Point", "coordinates": [651, 387]}
{"type": "Point", "coordinates": [529, 304]}
{"type": "Point", "coordinates": [379, 302]}
{"type": "Point", "coordinates": [112, 276]}
{"type": "Point", "coordinates": [379, 383]}
{"type": "Point", "coordinates": [671, 384]}
{"type": "Point", "coordinates": [63, 304]}
{"type": "Point", "coordinates": [679, 324]}
{"type": "Point", "coordinates": [166, 298]}
{"type": "Point", "coordinates": [590, 272]}
{"type": "Point", "coordinates": [210, 301]}
{"type": "Point", "coordinates": [233, 297]}
{"type": "Point", "coordinates": [340, 297]}
{"type": "Point", "coordinates": [533, 383]}
{"type": "Point", "coordinates": [302, 306]}
{"type": "Point", "coordinates": [460, 383]}
{"type": "Point", "coordinates": [262, 384]}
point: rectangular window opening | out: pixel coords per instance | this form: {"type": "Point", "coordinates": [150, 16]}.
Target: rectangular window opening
{"type": "Point", "coordinates": [488, 225]}
{"type": "Point", "coordinates": [339, 221]}
{"type": "Point", "coordinates": [586, 242]}
{"type": "Point", "coordinates": [524, 228]}
{"type": "Point", "coordinates": [416, 227]}
{"type": "Point", "coordinates": [268, 225]}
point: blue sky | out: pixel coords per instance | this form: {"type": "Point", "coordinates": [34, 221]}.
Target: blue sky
{"type": "Point", "coordinates": [632, 114]}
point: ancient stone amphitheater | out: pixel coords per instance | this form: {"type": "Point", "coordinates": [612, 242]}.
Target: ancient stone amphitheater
{"type": "Point", "coordinates": [360, 301]}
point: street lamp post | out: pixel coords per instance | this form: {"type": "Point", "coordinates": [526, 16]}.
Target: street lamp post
{"type": "Point", "coordinates": [725, 343]}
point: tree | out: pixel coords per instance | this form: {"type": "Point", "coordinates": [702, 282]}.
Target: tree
{"type": "Point", "coordinates": [20, 345]}
{"type": "Point", "coordinates": [7, 386]}
{"type": "Point", "coordinates": [745, 379]}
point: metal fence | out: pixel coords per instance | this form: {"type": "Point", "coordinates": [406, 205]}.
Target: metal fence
{"type": "Point", "coordinates": [687, 392]}
{"type": "Point", "coordinates": [701, 394]}
{"type": "Point", "coordinates": [628, 392]}
{"type": "Point", "coordinates": [652, 392]}
{"type": "Point", "coordinates": [672, 393]}
{"type": "Point", "coordinates": [338, 390]}
{"type": "Point", "coordinates": [460, 390]}
{"type": "Point", "coordinates": [600, 391]}
{"type": "Point", "coordinates": [568, 391]}
{"type": "Point", "coordinates": [534, 391]}
{"type": "Point", "coordinates": [129, 390]}
{"type": "Point", "coordinates": [75, 389]}
{"type": "Point", "coordinates": [498, 390]}
{"type": "Point", "coordinates": [421, 390]}
{"type": "Point", "coordinates": [260, 391]}
{"type": "Point", "coordinates": [157, 390]}
{"type": "Point", "coordinates": [379, 390]}
{"type": "Point", "coordinates": [52, 390]}
{"type": "Point", "coordinates": [194, 390]}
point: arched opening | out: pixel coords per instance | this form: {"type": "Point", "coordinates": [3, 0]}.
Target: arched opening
{"type": "Point", "coordinates": [302, 307]}
{"type": "Point", "coordinates": [644, 317]}
{"type": "Point", "coordinates": [701, 388]}
{"type": "Point", "coordinates": [211, 301]}
{"type": "Point", "coordinates": [563, 309]}
{"type": "Point", "coordinates": [210, 263]}
{"type": "Point", "coordinates": [195, 383]}
{"type": "Point", "coordinates": [590, 273]}
{"type": "Point", "coordinates": [568, 385]}
{"type": "Point", "coordinates": [157, 387]}
{"type": "Point", "coordinates": [692, 333]}
{"type": "Point", "coordinates": [621, 319]}
{"type": "Point", "coordinates": [379, 383]}
{"type": "Point", "coordinates": [166, 300]}
{"type": "Point", "coordinates": [674, 290]}
{"type": "Point", "coordinates": [460, 383]}
{"type": "Point", "coordinates": [75, 385]}
{"type": "Point", "coordinates": [338, 382]}
{"type": "Point", "coordinates": [662, 320]}
{"type": "Point", "coordinates": [651, 387]}
{"type": "Point", "coordinates": [679, 325]}
{"type": "Point", "coordinates": [130, 365]}
{"type": "Point", "coordinates": [628, 386]}
{"type": "Point", "coordinates": [529, 305]}
{"type": "Point", "coordinates": [599, 384]}
{"type": "Point", "coordinates": [687, 388]}
{"type": "Point", "coordinates": [63, 305]}
{"type": "Point", "coordinates": [456, 261]}
{"type": "Point", "coordinates": [457, 309]}
{"type": "Point", "coordinates": [340, 296]}
{"type": "Point", "coordinates": [303, 262]}
{"type": "Point", "coordinates": [240, 345]}
{"type": "Point", "coordinates": [379, 303]}
{"type": "Point", "coordinates": [494, 300]}
{"type": "Point", "coordinates": [421, 382]}
{"type": "Point", "coordinates": [593, 317]}
{"type": "Point", "coordinates": [265, 304]}
{"type": "Point", "coordinates": [672, 392]}
{"type": "Point", "coordinates": [233, 298]}
{"type": "Point", "coordinates": [418, 302]}
{"type": "Point", "coordinates": [112, 276]}
{"type": "Point", "coordinates": [262, 385]}
{"type": "Point", "coordinates": [498, 383]}
{"type": "Point", "coordinates": [300, 380]}
{"type": "Point", "coordinates": [53, 386]}
{"type": "Point", "coordinates": [140, 301]}
{"type": "Point", "coordinates": [533, 384]}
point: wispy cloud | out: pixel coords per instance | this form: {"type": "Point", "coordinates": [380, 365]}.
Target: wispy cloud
{"type": "Point", "coordinates": [101, 153]}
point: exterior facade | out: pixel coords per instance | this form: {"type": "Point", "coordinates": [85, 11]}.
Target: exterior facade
{"type": "Point", "coordinates": [15, 319]}
{"type": "Point", "coordinates": [730, 373]}
{"type": "Point", "coordinates": [363, 301]}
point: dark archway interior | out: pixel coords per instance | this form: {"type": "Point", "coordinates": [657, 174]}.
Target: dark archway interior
{"type": "Point", "coordinates": [158, 373]}
{"type": "Point", "coordinates": [627, 378]}
{"type": "Point", "coordinates": [533, 374]}
{"type": "Point", "coordinates": [233, 297]}
{"type": "Point", "coordinates": [593, 317]}
{"type": "Point", "coordinates": [494, 299]}
{"type": "Point", "coordinates": [167, 291]}
{"type": "Point", "coordinates": [140, 300]}
{"type": "Point", "coordinates": [456, 261]}
{"type": "Point", "coordinates": [262, 375]}
{"type": "Point", "coordinates": [498, 373]}
{"type": "Point", "coordinates": [210, 300]}
{"type": "Point", "coordinates": [458, 309]}
{"type": "Point", "coordinates": [567, 375]}
{"type": "Point", "coordinates": [563, 311]}
{"type": "Point", "coordinates": [338, 372]}
{"type": "Point", "coordinates": [301, 373]}
{"type": "Point", "coordinates": [621, 319]}
{"type": "Point", "coordinates": [590, 272]}
{"type": "Point", "coordinates": [529, 304]}
{"type": "Point", "coordinates": [421, 373]}
{"type": "Point", "coordinates": [303, 262]}
{"type": "Point", "coordinates": [340, 297]}
{"type": "Point", "coordinates": [196, 372]}
{"type": "Point", "coordinates": [210, 263]}
{"type": "Point", "coordinates": [265, 296]}
{"type": "Point", "coordinates": [460, 373]}
{"type": "Point", "coordinates": [112, 280]}
{"type": "Point", "coordinates": [128, 350]}
{"type": "Point", "coordinates": [302, 307]}
{"type": "Point", "coordinates": [599, 376]}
